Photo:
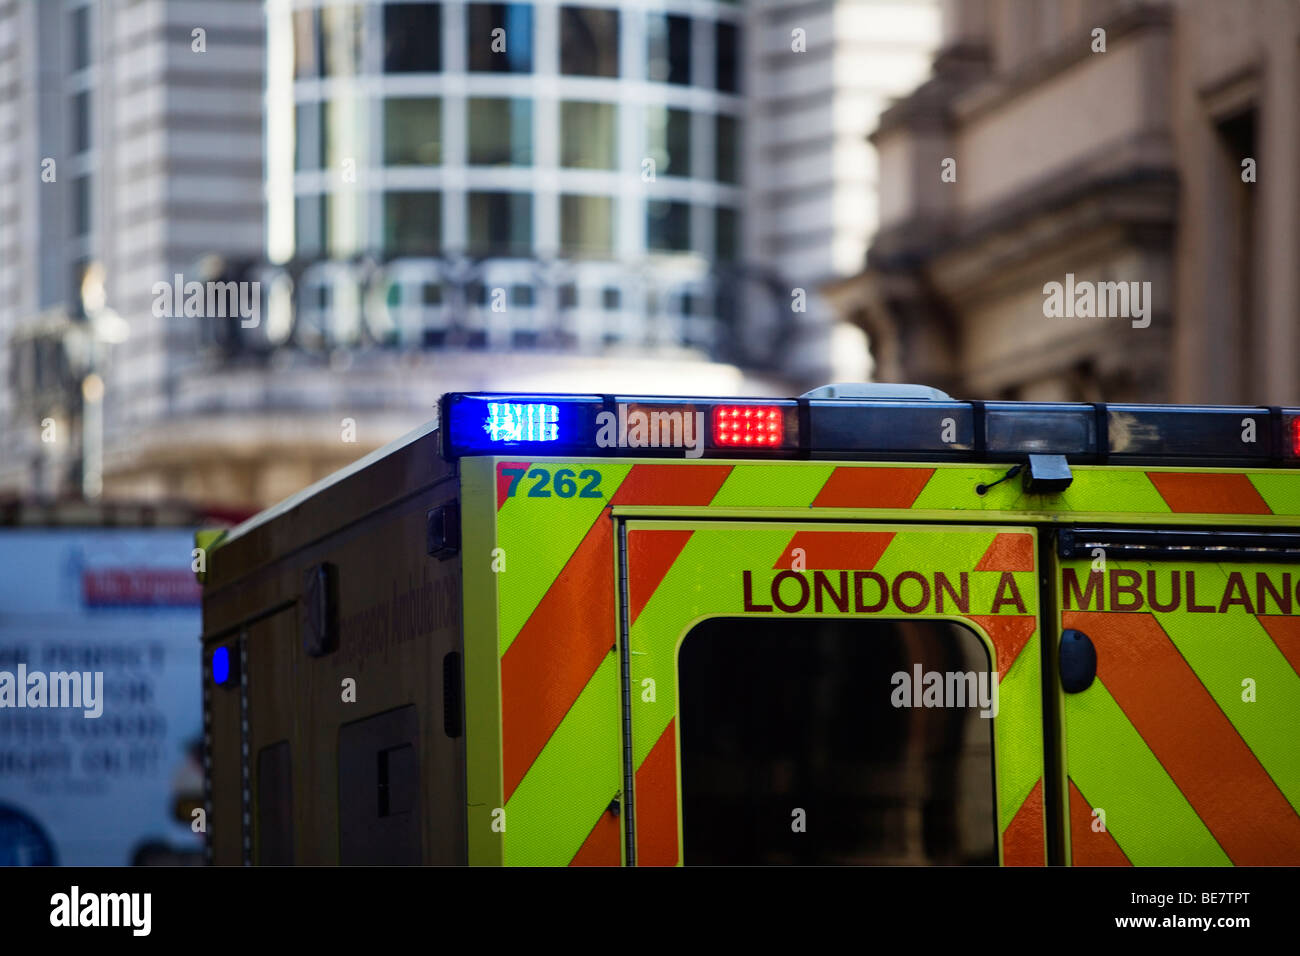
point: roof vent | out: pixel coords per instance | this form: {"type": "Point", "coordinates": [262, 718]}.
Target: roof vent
{"type": "Point", "coordinates": [879, 391]}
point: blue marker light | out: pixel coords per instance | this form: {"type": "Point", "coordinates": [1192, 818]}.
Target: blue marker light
{"type": "Point", "coordinates": [511, 421]}
{"type": "Point", "coordinates": [221, 665]}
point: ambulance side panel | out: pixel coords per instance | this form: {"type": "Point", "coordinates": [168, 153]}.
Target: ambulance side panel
{"type": "Point", "coordinates": [341, 738]}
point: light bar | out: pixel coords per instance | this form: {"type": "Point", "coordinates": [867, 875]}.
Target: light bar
{"type": "Point", "coordinates": [516, 421]}
{"type": "Point", "coordinates": [748, 426]}
{"type": "Point", "coordinates": [1230, 434]}
{"type": "Point", "coordinates": [890, 429]}
{"type": "Point", "coordinates": [1038, 429]}
{"type": "Point", "coordinates": [904, 429]}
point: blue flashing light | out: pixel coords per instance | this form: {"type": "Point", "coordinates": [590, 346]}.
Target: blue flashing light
{"type": "Point", "coordinates": [221, 665]}
{"type": "Point", "coordinates": [517, 421]}
{"type": "Point", "coordinates": [537, 424]}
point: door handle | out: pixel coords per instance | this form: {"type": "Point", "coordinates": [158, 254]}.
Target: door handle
{"type": "Point", "coordinates": [1078, 661]}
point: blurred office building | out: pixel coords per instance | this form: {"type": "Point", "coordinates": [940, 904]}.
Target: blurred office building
{"type": "Point", "coordinates": [411, 198]}
{"type": "Point", "coordinates": [1100, 145]}
{"type": "Point", "coordinates": [130, 149]}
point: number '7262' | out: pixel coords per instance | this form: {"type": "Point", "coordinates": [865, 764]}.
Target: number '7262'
{"type": "Point", "coordinates": [565, 483]}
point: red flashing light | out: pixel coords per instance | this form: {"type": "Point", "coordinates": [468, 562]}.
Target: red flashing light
{"type": "Point", "coordinates": [1295, 437]}
{"type": "Point", "coordinates": [748, 426]}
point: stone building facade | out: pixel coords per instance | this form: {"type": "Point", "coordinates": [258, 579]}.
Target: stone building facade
{"type": "Point", "coordinates": [1083, 142]}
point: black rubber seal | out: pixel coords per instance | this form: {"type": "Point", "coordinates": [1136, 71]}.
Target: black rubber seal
{"type": "Point", "coordinates": [1103, 432]}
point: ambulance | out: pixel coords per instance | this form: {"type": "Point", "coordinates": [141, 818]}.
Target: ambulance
{"type": "Point", "coordinates": [869, 625]}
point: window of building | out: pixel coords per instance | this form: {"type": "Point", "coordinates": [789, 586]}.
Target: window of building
{"type": "Point", "coordinates": [308, 57]}
{"type": "Point", "coordinates": [727, 39]}
{"type": "Point", "coordinates": [500, 224]}
{"type": "Point", "coordinates": [668, 57]}
{"type": "Point", "coordinates": [412, 223]}
{"type": "Point", "coordinates": [342, 36]}
{"type": "Point", "coordinates": [310, 232]}
{"type": "Point", "coordinates": [412, 37]}
{"type": "Point", "coordinates": [726, 149]}
{"type": "Point", "coordinates": [500, 132]}
{"type": "Point", "coordinates": [587, 225]}
{"type": "Point", "coordinates": [413, 131]}
{"type": "Point", "coordinates": [499, 37]}
{"type": "Point", "coordinates": [81, 206]}
{"type": "Point", "coordinates": [588, 41]}
{"type": "Point", "coordinates": [81, 51]}
{"type": "Point", "coordinates": [668, 226]}
{"type": "Point", "coordinates": [668, 140]}
{"type": "Point", "coordinates": [773, 717]}
{"type": "Point", "coordinates": [726, 234]}
{"type": "Point", "coordinates": [81, 131]}
{"type": "Point", "coordinates": [589, 135]}
{"type": "Point", "coordinates": [345, 133]}
{"type": "Point", "coordinates": [308, 141]}
{"type": "Point", "coordinates": [1237, 218]}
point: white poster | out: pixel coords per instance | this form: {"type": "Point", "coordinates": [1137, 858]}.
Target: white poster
{"type": "Point", "coordinates": [100, 696]}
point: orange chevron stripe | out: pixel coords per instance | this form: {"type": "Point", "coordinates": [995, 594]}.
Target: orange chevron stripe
{"type": "Point", "coordinates": [1285, 632]}
{"type": "Point", "coordinates": [650, 553]}
{"type": "Point", "coordinates": [656, 802]}
{"type": "Point", "coordinates": [601, 848]}
{"type": "Point", "coordinates": [671, 484]}
{"type": "Point", "coordinates": [1191, 737]}
{"type": "Point", "coordinates": [1023, 840]}
{"type": "Point", "coordinates": [872, 487]}
{"type": "Point", "coordinates": [1195, 493]}
{"type": "Point", "coordinates": [1008, 552]}
{"type": "Point", "coordinates": [836, 550]}
{"type": "Point", "coordinates": [1089, 847]}
{"type": "Point", "coordinates": [557, 651]}
{"type": "Point", "coordinates": [1009, 633]}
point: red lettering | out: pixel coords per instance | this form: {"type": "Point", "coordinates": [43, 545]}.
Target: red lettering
{"type": "Point", "coordinates": [1235, 583]}
{"type": "Point", "coordinates": [1191, 597]}
{"type": "Point", "coordinates": [1084, 599]}
{"type": "Point", "coordinates": [858, 605]}
{"type": "Point", "coordinates": [803, 591]}
{"type": "Point", "coordinates": [822, 583]}
{"type": "Point", "coordinates": [898, 595]}
{"type": "Point", "coordinates": [1131, 589]}
{"type": "Point", "coordinates": [747, 578]}
{"type": "Point", "coordinates": [1283, 600]}
{"type": "Point", "coordinates": [941, 584]}
{"type": "Point", "coordinates": [1008, 583]}
{"type": "Point", "coordinates": [1151, 592]}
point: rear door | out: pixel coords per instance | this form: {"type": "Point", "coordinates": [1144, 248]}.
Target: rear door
{"type": "Point", "coordinates": [1180, 743]}
{"type": "Point", "coordinates": [833, 693]}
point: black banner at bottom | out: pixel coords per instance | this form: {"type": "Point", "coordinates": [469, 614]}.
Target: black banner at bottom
{"type": "Point", "coordinates": [332, 906]}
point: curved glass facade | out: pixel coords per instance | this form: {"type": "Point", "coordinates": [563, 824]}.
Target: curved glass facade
{"type": "Point", "coordinates": [584, 135]}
